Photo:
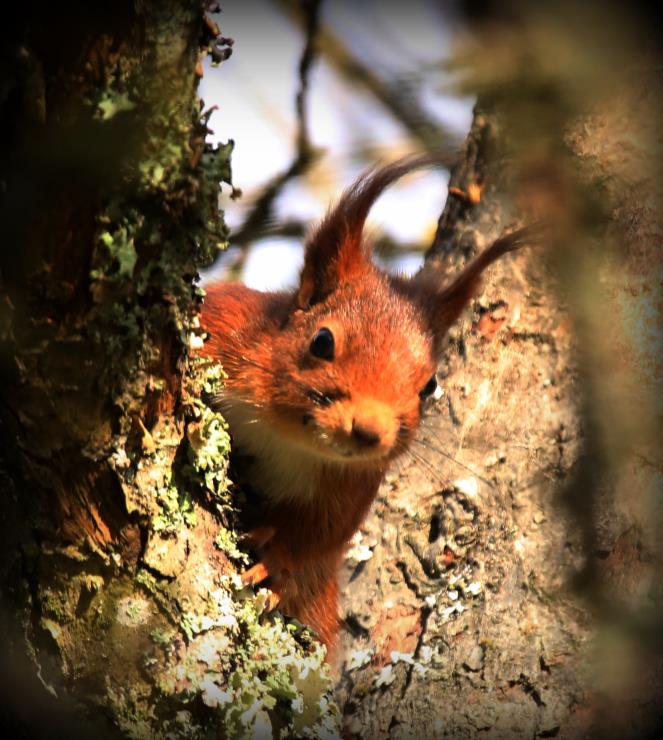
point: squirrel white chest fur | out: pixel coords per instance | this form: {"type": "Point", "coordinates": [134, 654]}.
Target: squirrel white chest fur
{"type": "Point", "coordinates": [282, 470]}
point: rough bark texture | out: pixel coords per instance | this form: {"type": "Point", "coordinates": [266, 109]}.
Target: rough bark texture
{"type": "Point", "coordinates": [472, 559]}
{"type": "Point", "coordinates": [118, 615]}
{"type": "Point", "coordinates": [512, 592]}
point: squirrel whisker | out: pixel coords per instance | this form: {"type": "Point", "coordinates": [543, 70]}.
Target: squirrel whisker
{"type": "Point", "coordinates": [435, 448]}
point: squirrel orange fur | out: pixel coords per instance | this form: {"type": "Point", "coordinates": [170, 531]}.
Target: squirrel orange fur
{"type": "Point", "coordinates": [325, 387]}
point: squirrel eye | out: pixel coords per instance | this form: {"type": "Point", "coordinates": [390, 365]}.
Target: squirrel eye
{"type": "Point", "coordinates": [322, 344]}
{"type": "Point", "coordinates": [429, 388]}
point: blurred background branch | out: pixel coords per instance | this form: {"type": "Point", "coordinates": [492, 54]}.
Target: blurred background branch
{"type": "Point", "coordinates": [260, 221]}
{"type": "Point", "coordinates": [403, 95]}
{"type": "Point", "coordinates": [399, 96]}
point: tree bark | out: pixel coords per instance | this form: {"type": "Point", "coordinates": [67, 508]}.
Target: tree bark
{"type": "Point", "coordinates": [505, 583]}
{"type": "Point", "coordinates": [118, 608]}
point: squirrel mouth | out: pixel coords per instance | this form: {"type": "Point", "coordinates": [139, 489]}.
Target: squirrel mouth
{"type": "Point", "coordinates": [340, 446]}
{"type": "Point", "coordinates": [347, 449]}
{"type": "Point", "coordinates": [355, 456]}
{"type": "Point", "coordinates": [356, 445]}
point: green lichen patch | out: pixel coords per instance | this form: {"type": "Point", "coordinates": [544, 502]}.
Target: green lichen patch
{"type": "Point", "coordinates": [226, 540]}
{"type": "Point", "coordinates": [111, 103]}
{"type": "Point", "coordinates": [158, 227]}
{"type": "Point", "coordinates": [259, 675]}
{"type": "Point", "coordinates": [163, 636]}
{"type": "Point", "coordinates": [121, 252]}
{"type": "Point", "coordinates": [204, 384]}
{"type": "Point", "coordinates": [148, 471]}
{"type": "Point", "coordinates": [279, 681]}
{"type": "Point", "coordinates": [207, 432]}
{"type": "Point", "coordinates": [176, 510]}
{"type": "Point", "coordinates": [209, 446]}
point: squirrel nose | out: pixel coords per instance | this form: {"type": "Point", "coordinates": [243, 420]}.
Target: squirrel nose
{"type": "Point", "coordinates": [371, 424]}
{"type": "Point", "coordinates": [364, 435]}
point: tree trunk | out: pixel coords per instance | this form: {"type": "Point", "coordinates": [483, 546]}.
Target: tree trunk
{"type": "Point", "coordinates": [507, 583]}
{"type": "Point", "coordinates": [117, 605]}
{"type": "Point", "coordinates": [510, 591]}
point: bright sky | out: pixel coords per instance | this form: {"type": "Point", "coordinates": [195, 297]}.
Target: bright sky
{"type": "Point", "coordinates": [254, 91]}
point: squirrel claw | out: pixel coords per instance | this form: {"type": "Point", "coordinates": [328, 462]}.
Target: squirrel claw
{"type": "Point", "coordinates": [275, 565]}
{"type": "Point", "coordinates": [255, 574]}
{"type": "Point", "coordinates": [272, 600]}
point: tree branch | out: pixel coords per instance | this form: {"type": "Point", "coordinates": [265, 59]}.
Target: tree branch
{"type": "Point", "coordinates": [260, 216]}
{"type": "Point", "coordinates": [396, 96]}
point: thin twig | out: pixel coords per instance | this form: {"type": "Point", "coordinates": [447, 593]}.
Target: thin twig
{"type": "Point", "coordinates": [398, 97]}
{"type": "Point", "coordinates": [258, 220]}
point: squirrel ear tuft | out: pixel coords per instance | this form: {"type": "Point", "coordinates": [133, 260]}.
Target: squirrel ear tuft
{"type": "Point", "coordinates": [335, 252]}
{"type": "Point", "coordinates": [448, 302]}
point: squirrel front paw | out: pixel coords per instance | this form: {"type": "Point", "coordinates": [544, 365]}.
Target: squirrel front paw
{"type": "Point", "coordinates": [275, 567]}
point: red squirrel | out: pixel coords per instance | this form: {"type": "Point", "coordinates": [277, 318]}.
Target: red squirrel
{"type": "Point", "coordinates": [325, 388]}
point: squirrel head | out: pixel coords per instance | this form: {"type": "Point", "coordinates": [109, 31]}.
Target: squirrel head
{"type": "Point", "coordinates": [344, 364]}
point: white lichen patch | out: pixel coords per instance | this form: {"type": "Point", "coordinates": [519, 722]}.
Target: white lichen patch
{"type": "Point", "coordinates": [398, 657]}
{"type": "Point", "coordinates": [385, 677]}
{"type": "Point", "coordinates": [426, 654]}
{"type": "Point", "coordinates": [457, 608]}
{"type": "Point", "coordinates": [408, 658]}
{"type": "Point", "coordinates": [195, 342]}
{"type": "Point", "coordinates": [359, 658]}
{"type": "Point", "coordinates": [474, 588]}
{"type": "Point", "coordinates": [221, 612]}
{"type": "Point", "coordinates": [467, 486]}
{"type": "Point", "coordinates": [484, 393]}
{"type": "Point", "coordinates": [360, 549]}
{"type": "Point", "coordinates": [212, 694]}
{"type": "Point", "coordinates": [273, 668]}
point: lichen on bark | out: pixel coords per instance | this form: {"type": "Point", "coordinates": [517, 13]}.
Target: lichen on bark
{"type": "Point", "coordinates": [119, 604]}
